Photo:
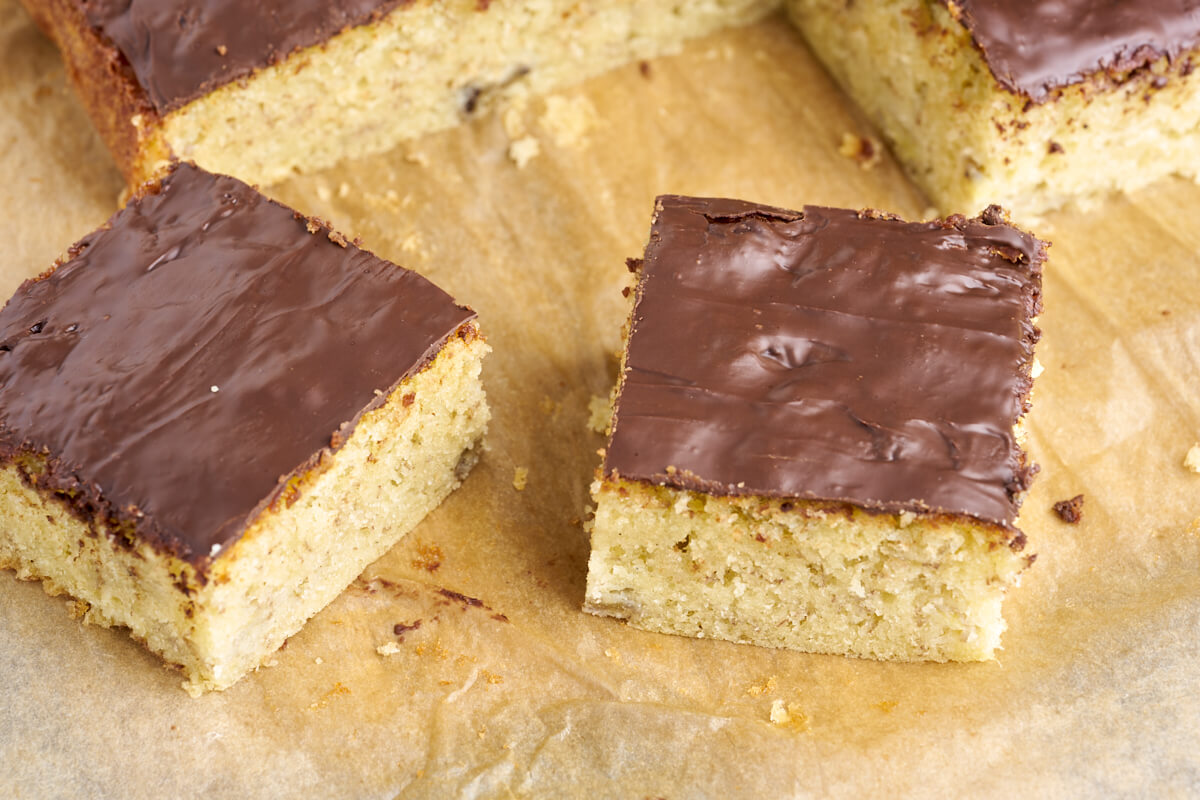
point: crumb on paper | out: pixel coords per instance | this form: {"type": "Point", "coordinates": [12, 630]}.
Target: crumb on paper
{"type": "Point", "coordinates": [520, 478]}
{"type": "Point", "coordinates": [1070, 511]}
{"type": "Point", "coordinates": [524, 150]}
{"type": "Point", "coordinates": [724, 52]}
{"type": "Point", "coordinates": [1192, 459]}
{"type": "Point", "coordinates": [318, 661]}
{"type": "Point", "coordinates": [388, 649]}
{"type": "Point", "coordinates": [759, 689]}
{"type": "Point", "coordinates": [599, 413]}
{"type": "Point", "coordinates": [865, 150]}
{"type": "Point", "coordinates": [412, 243]}
{"type": "Point", "coordinates": [789, 715]}
{"type": "Point", "coordinates": [428, 557]}
{"type": "Point", "coordinates": [338, 690]}
{"type": "Point", "coordinates": [568, 120]}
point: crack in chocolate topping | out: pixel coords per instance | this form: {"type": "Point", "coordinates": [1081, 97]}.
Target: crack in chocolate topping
{"type": "Point", "coordinates": [182, 50]}
{"type": "Point", "coordinates": [831, 355]}
{"type": "Point", "coordinates": [201, 345]}
{"type": "Point", "coordinates": [1033, 47]}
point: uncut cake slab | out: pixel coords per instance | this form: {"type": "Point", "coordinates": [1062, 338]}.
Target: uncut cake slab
{"type": "Point", "coordinates": [404, 687]}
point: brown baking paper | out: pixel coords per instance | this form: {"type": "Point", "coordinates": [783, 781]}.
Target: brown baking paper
{"type": "Point", "coordinates": [521, 694]}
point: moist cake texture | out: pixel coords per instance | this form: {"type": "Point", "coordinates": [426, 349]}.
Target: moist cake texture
{"type": "Point", "coordinates": [215, 412]}
{"type": "Point", "coordinates": [815, 441]}
{"type": "Point", "coordinates": [259, 90]}
{"type": "Point", "coordinates": [1018, 102]}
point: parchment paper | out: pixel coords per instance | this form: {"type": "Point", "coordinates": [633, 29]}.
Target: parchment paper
{"type": "Point", "coordinates": [1094, 693]}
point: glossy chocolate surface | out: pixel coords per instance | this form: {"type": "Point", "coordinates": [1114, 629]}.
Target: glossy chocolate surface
{"type": "Point", "coordinates": [1036, 46]}
{"type": "Point", "coordinates": [202, 346]}
{"type": "Point", "coordinates": [182, 50]}
{"type": "Point", "coordinates": [831, 355]}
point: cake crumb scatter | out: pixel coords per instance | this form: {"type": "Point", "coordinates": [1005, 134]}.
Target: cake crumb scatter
{"type": "Point", "coordinates": [599, 413]}
{"type": "Point", "coordinates": [520, 478]}
{"type": "Point", "coordinates": [759, 689]}
{"type": "Point", "coordinates": [1070, 511]}
{"type": "Point", "coordinates": [1192, 459]}
{"type": "Point", "coordinates": [524, 150]}
{"type": "Point", "coordinates": [568, 120]}
{"type": "Point", "coordinates": [863, 149]}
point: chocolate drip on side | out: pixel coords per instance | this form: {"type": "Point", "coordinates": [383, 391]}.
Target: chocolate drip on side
{"type": "Point", "coordinates": [831, 355]}
{"type": "Point", "coordinates": [198, 350]}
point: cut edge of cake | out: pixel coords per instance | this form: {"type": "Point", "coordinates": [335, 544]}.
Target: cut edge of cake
{"type": "Point", "coordinates": [807, 575]}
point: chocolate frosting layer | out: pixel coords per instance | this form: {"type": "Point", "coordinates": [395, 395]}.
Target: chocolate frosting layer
{"type": "Point", "coordinates": [199, 347]}
{"type": "Point", "coordinates": [182, 50]}
{"type": "Point", "coordinates": [1036, 46]}
{"type": "Point", "coordinates": [831, 355]}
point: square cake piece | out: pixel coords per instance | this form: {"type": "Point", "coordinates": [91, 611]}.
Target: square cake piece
{"type": "Point", "coordinates": [263, 88]}
{"type": "Point", "coordinates": [1018, 102]}
{"type": "Point", "coordinates": [214, 413]}
{"type": "Point", "coordinates": [815, 440]}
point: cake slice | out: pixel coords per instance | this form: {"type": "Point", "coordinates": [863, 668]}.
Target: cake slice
{"type": "Point", "coordinates": [1023, 103]}
{"type": "Point", "coordinates": [214, 413]}
{"type": "Point", "coordinates": [815, 439]}
{"type": "Point", "coordinates": [261, 89]}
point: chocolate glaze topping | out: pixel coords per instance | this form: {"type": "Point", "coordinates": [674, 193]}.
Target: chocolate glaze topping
{"type": "Point", "coordinates": [182, 50]}
{"type": "Point", "coordinates": [1036, 46]}
{"type": "Point", "coordinates": [831, 355]}
{"type": "Point", "coordinates": [201, 346]}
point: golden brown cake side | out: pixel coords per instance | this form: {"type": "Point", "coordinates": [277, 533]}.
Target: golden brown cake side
{"type": "Point", "coordinates": [118, 107]}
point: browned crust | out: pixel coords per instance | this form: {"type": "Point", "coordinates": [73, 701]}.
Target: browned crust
{"type": "Point", "coordinates": [104, 82]}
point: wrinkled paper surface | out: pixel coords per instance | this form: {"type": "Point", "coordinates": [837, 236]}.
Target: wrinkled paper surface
{"type": "Point", "coordinates": [1094, 693]}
